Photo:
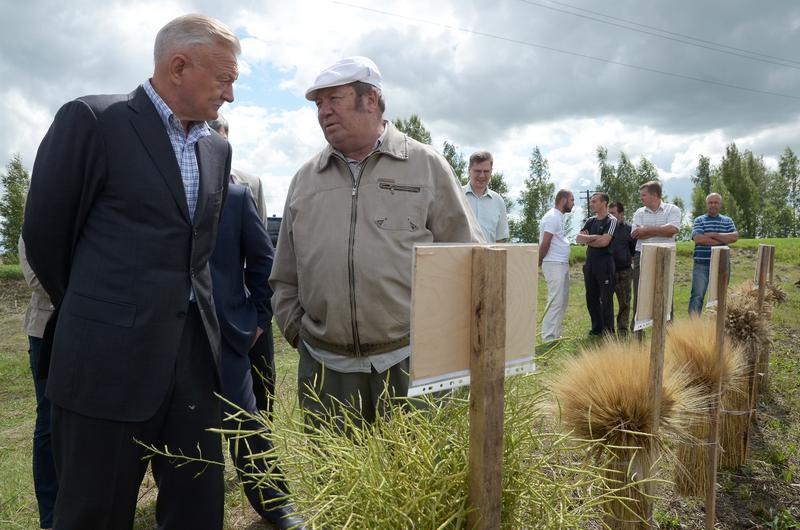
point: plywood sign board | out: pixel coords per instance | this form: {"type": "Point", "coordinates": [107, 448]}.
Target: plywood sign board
{"type": "Point", "coordinates": [441, 314]}
{"type": "Point", "coordinates": [647, 283]}
{"type": "Point", "coordinates": [713, 295]}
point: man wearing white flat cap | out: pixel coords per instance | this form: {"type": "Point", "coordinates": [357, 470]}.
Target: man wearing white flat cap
{"type": "Point", "coordinates": [342, 272]}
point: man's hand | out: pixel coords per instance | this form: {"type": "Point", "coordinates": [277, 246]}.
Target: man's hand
{"type": "Point", "coordinates": [259, 331]}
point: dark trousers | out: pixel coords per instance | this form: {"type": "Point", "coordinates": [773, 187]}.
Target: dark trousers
{"type": "Point", "coordinates": [324, 392]}
{"type": "Point", "coordinates": [101, 466]}
{"type": "Point", "coordinates": [623, 278]}
{"type": "Point", "coordinates": [262, 363]}
{"type": "Point", "coordinates": [262, 480]}
{"type": "Point", "coordinates": [598, 277]}
{"type": "Point", "coordinates": [45, 481]}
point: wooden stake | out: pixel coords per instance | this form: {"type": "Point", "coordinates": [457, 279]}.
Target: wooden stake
{"type": "Point", "coordinates": [487, 370]}
{"type": "Point", "coordinates": [661, 307]}
{"type": "Point", "coordinates": [713, 438]}
{"type": "Point", "coordinates": [771, 268]}
{"type": "Point", "coordinates": [769, 256]}
{"type": "Point", "coordinates": [763, 268]}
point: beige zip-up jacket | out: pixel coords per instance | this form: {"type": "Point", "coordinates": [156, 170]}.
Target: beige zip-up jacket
{"type": "Point", "coordinates": [342, 271]}
{"type": "Point", "coordinates": [39, 308]}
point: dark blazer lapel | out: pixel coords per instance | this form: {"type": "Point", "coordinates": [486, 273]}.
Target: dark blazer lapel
{"type": "Point", "coordinates": [154, 137]}
{"type": "Point", "coordinates": [211, 166]}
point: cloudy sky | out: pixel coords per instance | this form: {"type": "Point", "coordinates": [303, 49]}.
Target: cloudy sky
{"type": "Point", "coordinates": [665, 80]}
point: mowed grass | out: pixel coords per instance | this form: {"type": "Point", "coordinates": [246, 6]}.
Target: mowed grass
{"type": "Point", "coordinates": [779, 430]}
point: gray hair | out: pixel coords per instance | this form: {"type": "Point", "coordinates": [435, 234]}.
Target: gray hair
{"type": "Point", "coordinates": [219, 123]}
{"type": "Point", "coordinates": [362, 89]}
{"type": "Point", "coordinates": [479, 157]}
{"type": "Point", "coordinates": [193, 30]}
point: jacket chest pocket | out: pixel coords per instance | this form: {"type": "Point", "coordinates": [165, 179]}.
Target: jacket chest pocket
{"type": "Point", "coordinates": [399, 206]}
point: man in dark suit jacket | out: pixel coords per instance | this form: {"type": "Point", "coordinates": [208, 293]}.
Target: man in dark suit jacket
{"type": "Point", "coordinates": [120, 223]}
{"type": "Point", "coordinates": [240, 268]}
{"type": "Point", "coordinates": [262, 353]}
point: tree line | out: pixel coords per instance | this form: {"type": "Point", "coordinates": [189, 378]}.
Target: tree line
{"type": "Point", "coordinates": [762, 202]}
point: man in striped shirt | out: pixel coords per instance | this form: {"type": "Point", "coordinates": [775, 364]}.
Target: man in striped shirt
{"type": "Point", "coordinates": [711, 229]}
{"type": "Point", "coordinates": [655, 222]}
{"type": "Point", "coordinates": [598, 270]}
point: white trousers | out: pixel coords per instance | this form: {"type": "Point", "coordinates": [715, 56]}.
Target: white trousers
{"type": "Point", "coordinates": [556, 275]}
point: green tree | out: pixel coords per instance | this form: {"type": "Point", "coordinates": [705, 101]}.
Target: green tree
{"type": "Point", "coordinates": [777, 218]}
{"type": "Point", "coordinates": [645, 172]}
{"type": "Point", "coordinates": [789, 168]}
{"type": "Point", "coordinates": [622, 182]}
{"type": "Point", "coordinates": [702, 186]}
{"type": "Point", "coordinates": [741, 176]}
{"type": "Point", "coordinates": [498, 185]}
{"type": "Point", "coordinates": [413, 127]}
{"type": "Point", "coordinates": [536, 199]}
{"type": "Point", "coordinates": [15, 183]}
{"type": "Point", "coordinates": [457, 162]}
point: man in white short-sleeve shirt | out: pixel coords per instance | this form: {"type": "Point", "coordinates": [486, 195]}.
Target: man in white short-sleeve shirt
{"type": "Point", "coordinates": [554, 262]}
{"type": "Point", "coordinates": [655, 222]}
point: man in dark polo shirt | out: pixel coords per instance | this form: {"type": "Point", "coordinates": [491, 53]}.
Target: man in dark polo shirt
{"type": "Point", "coordinates": [622, 247]}
{"type": "Point", "coordinates": [598, 271]}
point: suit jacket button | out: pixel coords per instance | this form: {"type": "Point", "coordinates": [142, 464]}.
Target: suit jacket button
{"type": "Point", "coordinates": [192, 273]}
{"type": "Point", "coordinates": [196, 233]}
{"type": "Point", "coordinates": [181, 314]}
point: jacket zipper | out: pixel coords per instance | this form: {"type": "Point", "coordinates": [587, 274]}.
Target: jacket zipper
{"type": "Point", "coordinates": [350, 251]}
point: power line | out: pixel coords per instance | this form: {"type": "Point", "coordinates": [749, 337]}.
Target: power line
{"type": "Point", "coordinates": [639, 24]}
{"type": "Point", "coordinates": [715, 47]}
{"type": "Point", "coordinates": [567, 52]}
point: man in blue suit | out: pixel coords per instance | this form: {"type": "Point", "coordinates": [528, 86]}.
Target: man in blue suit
{"type": "Point", "coordinates": [240, 267]}
{"type": "Point", "coordinates": [120, 223]}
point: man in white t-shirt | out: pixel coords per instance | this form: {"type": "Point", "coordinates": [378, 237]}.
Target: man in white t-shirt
{"type": "Point", "coordinates": [554, 262]}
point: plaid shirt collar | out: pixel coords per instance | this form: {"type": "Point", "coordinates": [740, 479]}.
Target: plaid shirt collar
{"type": "Point", "coordinates": [197, 130]}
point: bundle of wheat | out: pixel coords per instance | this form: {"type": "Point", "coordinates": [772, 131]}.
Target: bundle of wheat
{"type": "Point", "coordinates": [775, 294]}
{"type": "Point", "coordinates": [743, 318]}
{"type": "Point", "coordinates": [752, 330]}
{"type": "Point", "coordinates": [735, 423]}
{"type": "Point", "coordinates": [603, 396]}
{"type": "Point", "coordinates": [691, 347]}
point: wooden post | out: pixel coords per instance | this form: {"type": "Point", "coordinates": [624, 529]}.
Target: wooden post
{"type": "Point", "coordinates": [771, 268]}
{"type": "Point", "coordinates": [713, 437]}
{"type": "Point", "coordinates": [755, 379]}
{"type": "Point", "coordinates": [487, 371]}
{"type": "Point", "coordinates": [661, 307]}
{"type": "Point", "coordinates": [769, 256]}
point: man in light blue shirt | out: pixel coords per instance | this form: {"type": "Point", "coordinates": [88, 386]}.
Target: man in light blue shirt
{"type": "Point", "coordinates": [489, 206]}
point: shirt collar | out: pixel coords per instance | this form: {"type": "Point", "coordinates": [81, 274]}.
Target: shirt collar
{"type": "Point", "coordinates": [659, 209]}
{"type": "Point", "coordinates": [378, 142]}
{"type": "Point", "coordinates": [468, 189]}
{"type": "Point", "coordinates": [197, 129]}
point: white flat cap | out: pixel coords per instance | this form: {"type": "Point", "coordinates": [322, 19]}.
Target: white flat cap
{"type": "Point", "coordinates": [344, 71]}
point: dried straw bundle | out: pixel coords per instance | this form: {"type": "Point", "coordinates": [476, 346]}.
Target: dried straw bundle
{"type": "Point", "coordinates": [691, 347]}
{"type": "Point", "coordinates": [734, 424]}
{"type": "Point", "coordinates": [603, 396]}
{"type": "Point", "coordinates": [742, 320]}
{"type": "Point", "coordinates": [753, 331]}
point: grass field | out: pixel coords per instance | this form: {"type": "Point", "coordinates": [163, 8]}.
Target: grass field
{"type": "Point", "coordinates": [764, 494]}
